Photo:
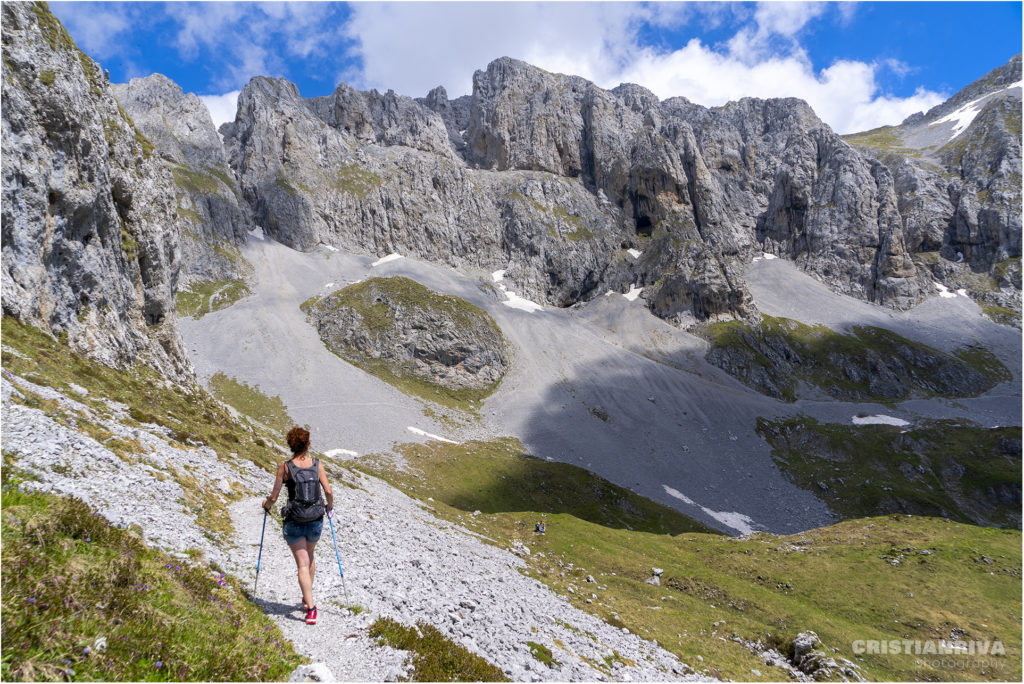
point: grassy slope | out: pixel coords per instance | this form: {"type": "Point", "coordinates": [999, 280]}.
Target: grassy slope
{"type": "Point", "coordinates": [789, 352]}
{"type": "Point", "coordinates": [940, 468]}
{"type": "Point", "coordinates": [838, 581]}
{"type": "Point", "coordinates": [70, 578]}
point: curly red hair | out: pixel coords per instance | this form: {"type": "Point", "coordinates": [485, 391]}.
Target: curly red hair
{"type": "Point", "coordinates": [298, 440]}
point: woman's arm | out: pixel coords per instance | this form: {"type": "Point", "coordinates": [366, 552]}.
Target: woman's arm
{"type": "Point", "coordinates": [327, 487]}
{"type": "Point", "coordinates": [278, 483]}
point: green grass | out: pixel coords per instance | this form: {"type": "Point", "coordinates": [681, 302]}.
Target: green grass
{"type": "Point", "coordinates": [1002, 315]}
{"type": "Point", "coordinates": [837, 581]}
{"type": "Point", "coordinates": [354, 180]}
{"type": "Point", "coordinates": [498, 476]}
{"type": "Point", "coordinates": [376, 301]}
{"type": "Point", "coordinates": [780, 353]}
{"type": "Point", "coordinates": [542, 654]}
{"type": "Point", "coordinates": [47, 77]}
{"type": "Point", "coordinates": [885, 139]}
{"type": "Point", "coordinates": [197, 181]}
{"type": "Point", "coordinates": [70, 578]}
{"type": "Point", "coordinates": [435, 657]}
{"type": "Point", "coordinates": [251, 402]}
{"type": "Point", "coordinates": [206, 296]}
{"type": "Point", "coordinates": [940, 468]}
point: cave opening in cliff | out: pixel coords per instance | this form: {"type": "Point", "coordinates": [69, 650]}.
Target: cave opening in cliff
{"type": "Point", "coordinates": [643, 225]}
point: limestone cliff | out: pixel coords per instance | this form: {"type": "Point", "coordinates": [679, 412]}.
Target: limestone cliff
{"type": "Point", "coordinates": [210, 219]}
{"type": "Point", "coordinates": [89, 248]}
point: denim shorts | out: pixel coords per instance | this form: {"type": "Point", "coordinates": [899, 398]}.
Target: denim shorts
{"type": "Point", "coordinates": [294, 531]}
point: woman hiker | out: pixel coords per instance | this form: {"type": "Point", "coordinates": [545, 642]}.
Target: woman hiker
{"type": "Point", "coordinates": [304, 513]}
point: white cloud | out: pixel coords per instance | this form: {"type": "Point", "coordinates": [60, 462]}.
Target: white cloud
{"type": "Point", "coordinates": [98, 29]}
{"type": "Point", "coordinates": [222, 107]}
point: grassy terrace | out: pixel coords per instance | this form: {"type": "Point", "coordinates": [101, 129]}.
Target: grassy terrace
{"type": "Point", "coordinates": [70, 580]}
{"type": "Point", "coordinates": [839, 581]}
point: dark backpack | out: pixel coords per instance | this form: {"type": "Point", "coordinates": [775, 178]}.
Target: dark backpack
{"type": "Point", "coordinates": [304, 502]}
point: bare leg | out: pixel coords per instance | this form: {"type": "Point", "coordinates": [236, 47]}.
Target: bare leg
{"type": "Point", "coordinates": [312, 564]}
{"type": "Point", "coordinates": [302, 552]}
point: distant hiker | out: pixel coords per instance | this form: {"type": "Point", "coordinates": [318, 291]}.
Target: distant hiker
{"type": "Point", "coordinates": [536, 528]}
{"type": "Point", "coordinates": [539, 527]}
{"type": "Point", "coordinates": [304, 512]}
{"type": "Point", "coordinates": [543, 527]}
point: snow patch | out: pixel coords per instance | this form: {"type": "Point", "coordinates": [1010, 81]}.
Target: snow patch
{"type": "Point", "coordinates": [944, 291]}
{"type": "Point", "coordinates": [328, 286]}
{"type": "Point", "coordinates": [423, 433]}
{"type": "Point", "coordinates": [329, 247]}
{"type": "Point", "coordinates": [384, 260]}
{"type": "Point", "coordinates": [633, 293]}
{"type": "Point", "coordinates": [635, 253]}
{"type": "Point", "coordinates": [962, 292]}
{"type": "Point", "coordinates": [257, 233]}
{"type": "Point", "coordinates": [879, 420]}
{"type": "Point", "coordinates": [514, 301]}
{"type": "Point", "coordinates": [743, 524]}
{"type": "Point", "coordinates": [963, 116]}
{"type": "Point", "coordinates": [339, 452]}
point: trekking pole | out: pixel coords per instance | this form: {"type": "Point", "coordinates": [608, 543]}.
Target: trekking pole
{"type": "Point", "coordinates": [260, 556]}
{"type": "Point", "coordinates": [336, 555]}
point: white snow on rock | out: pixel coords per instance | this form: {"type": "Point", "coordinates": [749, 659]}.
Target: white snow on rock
{"type": "Point", "coordinates": [944, 291]}
{"type": "Point", "coordinates": [328, 286]}
{"type": "Point", "coordinates": [257, 233]}
{"type": "Point", "coordinates": [423, 433]}
{"type": "Point", "coordinates": [962, 117]}
{"type": "Point", "coordinates": [635, 253]}
{"type": "Point", "coordinates": [339, 452]}
{"type": "Point", "coordinates": [633, 293]}
{"type": "Point", "coordinates": [385, 259]}
{"type": "Point", "coordinates": [743, 524]}
{"type": "Point", "coordinates": [765, 256]}
{"type": "Point", "coordinates": [879, 420]}
{"type": "Point", "coordinates": [513, 300]}
{"type": "Point", "coordinates": [331, 248]}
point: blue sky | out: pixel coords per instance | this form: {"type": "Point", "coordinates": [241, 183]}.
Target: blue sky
{"type": "Point", "coordinates": [859, 64]}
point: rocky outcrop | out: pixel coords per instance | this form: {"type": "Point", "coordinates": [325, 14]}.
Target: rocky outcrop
{"type": "Point", "coordinates": [782, 358]}
{"type": "Point", "coordinates": [89, 248]}
{"type": "Point", "coordinates": [416, 332]}
{"type": "Point", "coordinates": [210, 219]}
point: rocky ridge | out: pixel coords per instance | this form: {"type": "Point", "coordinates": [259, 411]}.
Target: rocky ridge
{"type": "Point", "coordinates": [86, 205]}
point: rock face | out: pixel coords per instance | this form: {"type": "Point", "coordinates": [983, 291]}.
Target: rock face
{"type": "Point", "coordinates": [553, 179]}
{"type": "Point", "coordinates": [415, 331]}
{"type": "Point", "coordinates": [957, 177]}
{"type": "Point", "coordinates": [210, 219]}
{"type": "Point", "coordinates": [89, 247]}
